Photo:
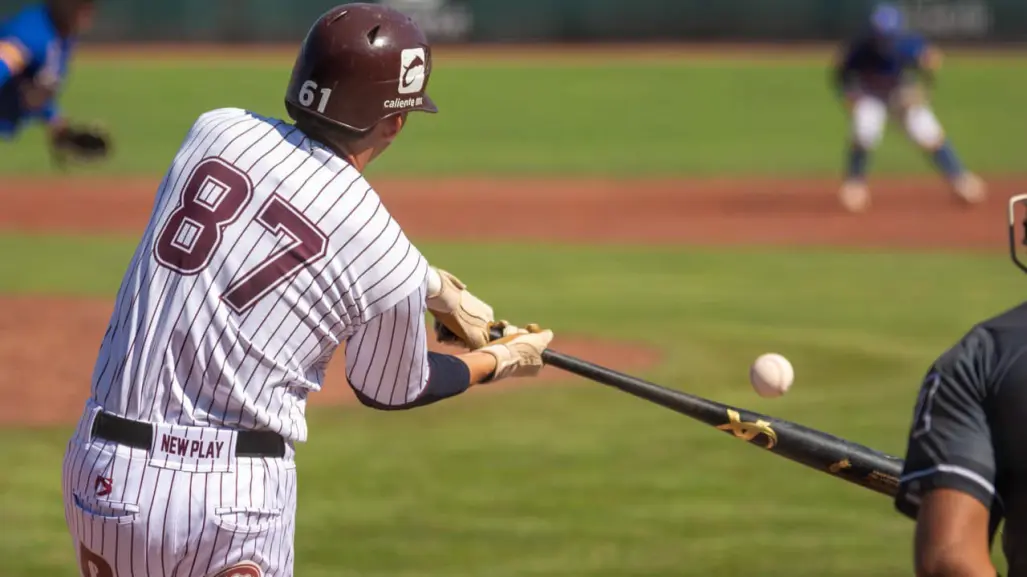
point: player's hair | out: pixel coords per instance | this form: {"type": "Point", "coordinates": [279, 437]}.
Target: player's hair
{"type": "Point", "coordinates": [63, 12]}
{"type": "Point", "coordinates": [326, 132]}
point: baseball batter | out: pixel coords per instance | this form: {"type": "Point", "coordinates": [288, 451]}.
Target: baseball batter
{"type": "Point", "coordinates": [266, 251]}
{"type": "Point", "coordinates": [878, 76]}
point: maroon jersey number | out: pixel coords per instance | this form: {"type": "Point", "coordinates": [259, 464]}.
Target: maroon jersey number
{"type": "Point", "coordinates": [306, 244]}
{"type": "Point", "coordinates": [212, 199]}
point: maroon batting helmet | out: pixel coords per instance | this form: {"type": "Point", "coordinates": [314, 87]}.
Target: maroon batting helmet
{"type": "Point", "coordinates": [360, 63]}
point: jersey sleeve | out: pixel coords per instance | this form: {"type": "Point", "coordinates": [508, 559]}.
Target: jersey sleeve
{"type": "Point", "coordinates": [950, 443]}
{"type": "Point", "coordinates": [22, 42]}
{"type": "Point", "coordinates": [14, 57]}
{"type": "Point", "coordinates": [913, 48]}
{"type": "Point", "coordinates": [387, 357]}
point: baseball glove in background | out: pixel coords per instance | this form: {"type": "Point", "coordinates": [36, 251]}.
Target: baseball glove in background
{"type": "Point", "coordinates": [80, 143]}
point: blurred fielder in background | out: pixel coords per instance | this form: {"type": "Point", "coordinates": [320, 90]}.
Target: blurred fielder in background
{"type": "Point", "coordinates": [35, 48]}
{"type": "Point", "coordinates": [881, 74]}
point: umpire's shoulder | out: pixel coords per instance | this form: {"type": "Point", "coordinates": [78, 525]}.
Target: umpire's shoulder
{"type": "Point", "coordinates": [987, 349]}
{"type": "Point", "coordinates": [1007, 334]}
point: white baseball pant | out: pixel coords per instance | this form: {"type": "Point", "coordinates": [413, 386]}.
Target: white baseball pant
{"type": "Point", "coordinates": [188, 507]}
{"type": "Point", "coordinates": [870, 115]}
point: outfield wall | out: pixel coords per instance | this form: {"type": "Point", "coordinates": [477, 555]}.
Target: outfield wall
{"type": "Point", "coordinates": [973, 21]}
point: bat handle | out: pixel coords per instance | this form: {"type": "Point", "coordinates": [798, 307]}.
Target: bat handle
{"type": "Point", "coordinates": [495, 332]}
{"type": "Point", "coordinates": [445, 334]}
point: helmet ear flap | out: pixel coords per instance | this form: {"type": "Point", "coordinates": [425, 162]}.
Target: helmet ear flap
{"type": "Point", "coordinates": [1018, 230]}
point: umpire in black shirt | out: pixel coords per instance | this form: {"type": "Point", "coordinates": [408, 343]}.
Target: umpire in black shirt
{"type": "Point", "coordinates": [966, 462]}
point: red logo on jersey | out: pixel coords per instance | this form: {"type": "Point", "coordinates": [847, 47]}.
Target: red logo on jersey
{"type": "Point", "coordinates": [102, 486]}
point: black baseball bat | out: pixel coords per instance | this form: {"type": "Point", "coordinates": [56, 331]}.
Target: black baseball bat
{"type": "Point", "coordinates": [824, 452]}
{"type": "Point", "coordinates": [827, 453]}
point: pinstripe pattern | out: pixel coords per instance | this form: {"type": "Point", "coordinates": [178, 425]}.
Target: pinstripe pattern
{"type": "Point", "coordinates": [244, 515]}
{"type": "Point", "coordinates": [175, 353]}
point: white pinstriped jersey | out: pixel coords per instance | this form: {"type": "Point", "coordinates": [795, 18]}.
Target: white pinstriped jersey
{"type": "Point", "coordinates": [264, 252]}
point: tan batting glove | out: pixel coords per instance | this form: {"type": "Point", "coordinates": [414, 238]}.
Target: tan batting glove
{"type": "Point", "coordinates": [519, 352]}
{"type": "Point", "coordinates": [465, 315]}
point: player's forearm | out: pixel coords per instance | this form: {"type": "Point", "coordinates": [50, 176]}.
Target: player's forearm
{"type": "Point", "coordinates": [480, 365]}
{"type": "Point", "coordinates": [447, 376]}
{"type": "Point", "coordinates": [450, 375]}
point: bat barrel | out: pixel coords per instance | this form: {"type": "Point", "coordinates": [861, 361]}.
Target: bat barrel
{"type": "Point", "coordinates": [838, 457]}
{"type": "Point", "coordinates": [829, 454]}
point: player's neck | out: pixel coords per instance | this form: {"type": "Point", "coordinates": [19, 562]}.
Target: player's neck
{"type": "Point", "coordinates": [357, 159]}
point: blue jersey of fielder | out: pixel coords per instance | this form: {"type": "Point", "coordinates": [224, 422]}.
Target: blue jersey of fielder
{"type": "Point", "coordinates": [879, 67]}
{"type": "Point", "coordinates": [33, 64]}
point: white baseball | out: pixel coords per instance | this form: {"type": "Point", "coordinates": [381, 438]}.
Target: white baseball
{"type": "Point", "coordinates": [771, 375]}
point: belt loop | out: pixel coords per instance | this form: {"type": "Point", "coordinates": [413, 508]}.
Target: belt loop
{"type": "Point", "coordinates": [85, 424]}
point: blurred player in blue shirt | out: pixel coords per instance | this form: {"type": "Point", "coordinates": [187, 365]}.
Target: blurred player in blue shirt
{"type": "Point", "coordinates": [881, 75]}
{"type": "Point", "coordinates": [35, 47]}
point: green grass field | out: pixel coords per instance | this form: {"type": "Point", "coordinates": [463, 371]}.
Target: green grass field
{"type": "Point", "coordinates": [579, 480]}
{"type": "Point", "coordinates": [651, 117]}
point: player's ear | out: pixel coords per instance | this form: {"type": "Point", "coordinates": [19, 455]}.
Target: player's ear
{"type": "Point", "coordinates": [393, 125]}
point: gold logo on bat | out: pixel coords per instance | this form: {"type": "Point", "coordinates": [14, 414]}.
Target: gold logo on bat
{"type": "Point", "coordinates": [839, 466]}
{"type": "Point", "coordinates": [883, 481]}
{"type": "Point", "coordinates": [748, 431]}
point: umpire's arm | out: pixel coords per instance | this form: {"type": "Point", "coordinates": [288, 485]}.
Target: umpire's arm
{"type": "Point", "coordinates": [948, 484]}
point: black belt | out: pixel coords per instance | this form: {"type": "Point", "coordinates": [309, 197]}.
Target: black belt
{"type": "Point", "coordinates": [139, 435]}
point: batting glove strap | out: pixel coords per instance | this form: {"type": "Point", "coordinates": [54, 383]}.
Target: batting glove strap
{"type": "Point", "coordinates": [519, 352]}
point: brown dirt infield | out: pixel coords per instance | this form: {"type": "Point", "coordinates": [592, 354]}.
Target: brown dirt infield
{"type": "Point", "coordinates": [912, 213]}
{"type": "Point", "coordinates": [47, 346]}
